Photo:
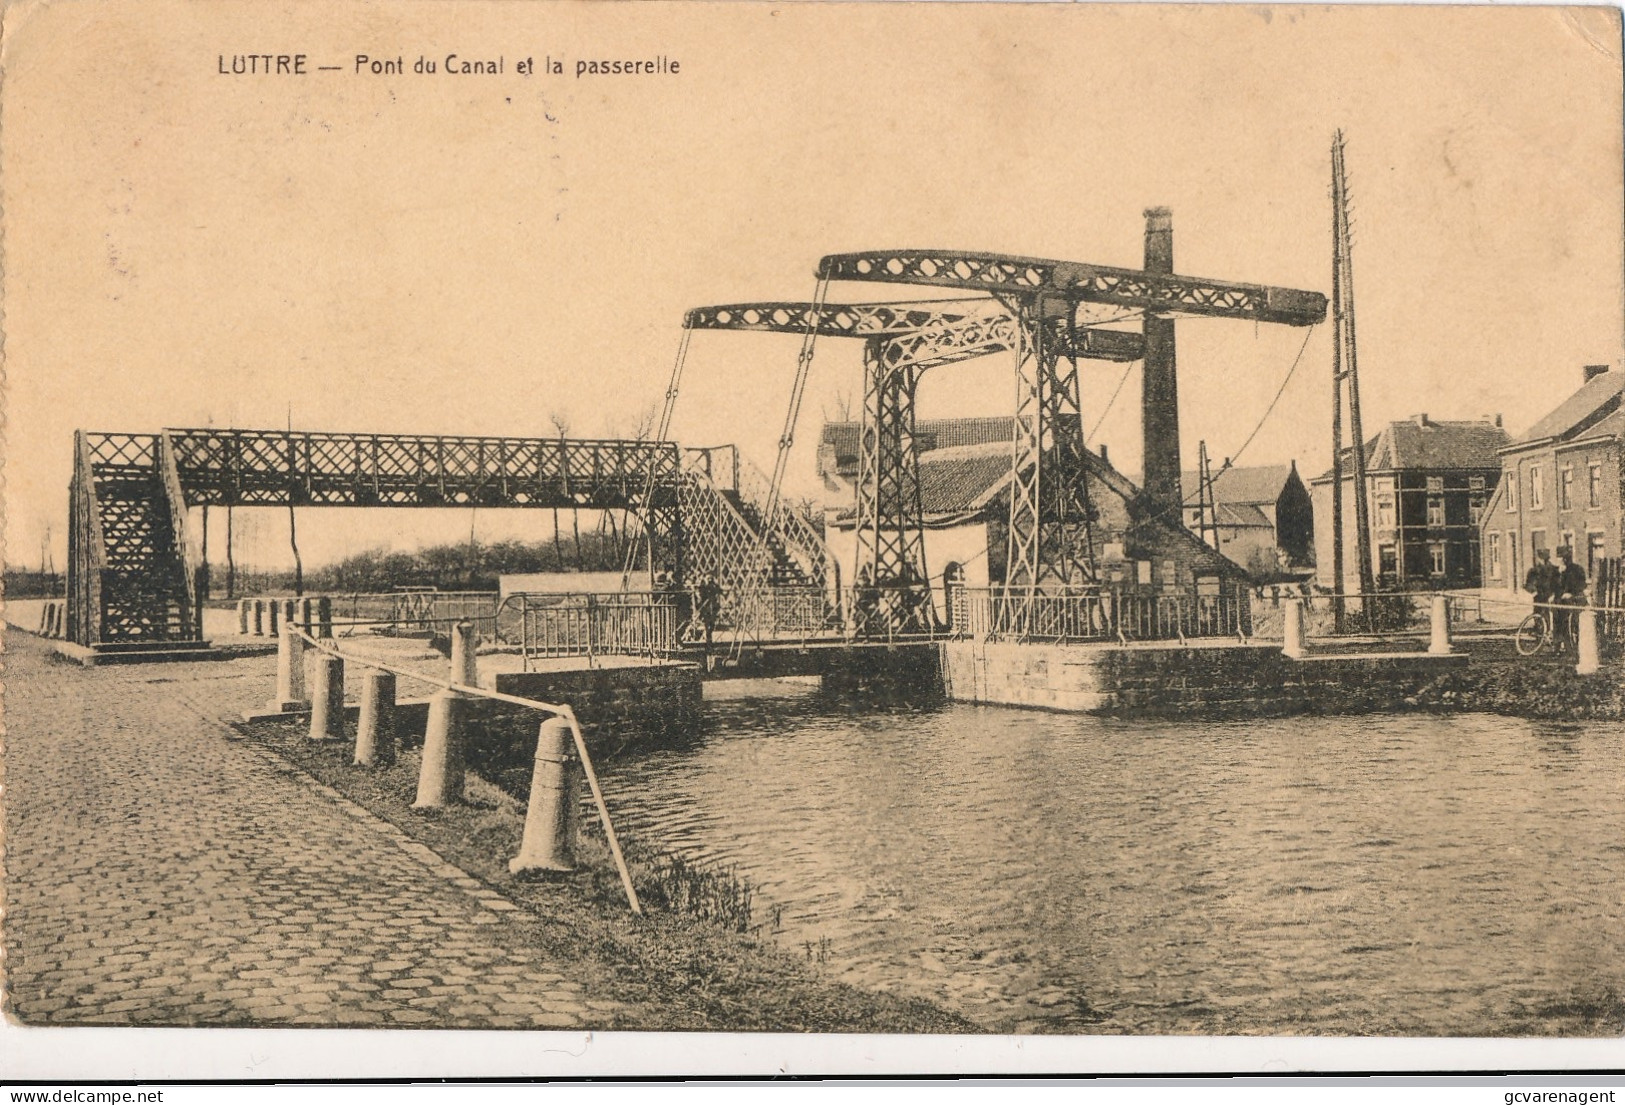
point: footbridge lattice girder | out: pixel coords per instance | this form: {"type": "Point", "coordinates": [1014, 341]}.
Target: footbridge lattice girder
{"type": "Point", "coordinates": [131, 578]}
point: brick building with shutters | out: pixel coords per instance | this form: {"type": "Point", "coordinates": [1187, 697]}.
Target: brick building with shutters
{"type": "Point", "coordinates": [1560, 486]}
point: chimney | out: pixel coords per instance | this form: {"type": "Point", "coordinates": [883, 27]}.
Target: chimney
{"type": "Point", "coordinates": [1159, 401]}
{"type": "Point", "coordinates": [1592, 371]}
{"type": "Point", "coordinates": [1103, 457]}
{"type": "Point", "coordinates": [1492, 418]}
{"type": "Point", "coordinates": [1421, 420]}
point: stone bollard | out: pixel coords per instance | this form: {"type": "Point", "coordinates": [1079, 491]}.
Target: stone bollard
{"type": "Point", "coordinates": [440, 779]}
{"type": "Point", "coordinates": [324, 617]}
{"type": "Point", "coordinates": [1292, 629]}
{"type": "Point", "coordinates": [307, 620]}
{"type": "Point", "coordinates": [242, 617]}
{"type": "Point", "coordinates": [1589, 654]}
{"type": "Point", "coordinates": [290, 670]}
{"type": "Point", "coordinates": [464, 666]}
{"type": "Point", "coordinates": [1439, 643]}
{"type": "Point", "coordinates": [45, 620]}
{"type": "Point", "coordinates": [259, 617]}
{"type": "Point", "coordinates": [551, 818]}
{"type": "Point", "coordinates": [375, 732]}
{"type": "Point", "coordinates": [273, 615]}
{"type": "Point", "coordinates": [327, 698]}
{"type": "Point", "coordinates": [59, 612]}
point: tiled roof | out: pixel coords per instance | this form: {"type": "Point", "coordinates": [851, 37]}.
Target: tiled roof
{"type": "Point", "coordinates": [930, 435]}
{"type": "Point", "coordinates": [1241, 514]}
{"type": "Point", "coordinates": [965, 478]}
{"type": "Point", "coordinates": [1261, 484]}
{"type": "Point", "coordinates": [953, 481]}
{"type": "Point", "coordinates": [1437, 445]}
{"type": "Point", "coordinates": [1599, 395]}
{"type": "Point", "coordinates": [1441, 445]}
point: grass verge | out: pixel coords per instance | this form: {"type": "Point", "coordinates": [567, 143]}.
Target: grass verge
{"type": "Point", "coordinates": [684, 965]}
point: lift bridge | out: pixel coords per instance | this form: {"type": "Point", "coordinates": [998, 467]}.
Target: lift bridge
{"type": "Point", "coordinates": [133, 584]}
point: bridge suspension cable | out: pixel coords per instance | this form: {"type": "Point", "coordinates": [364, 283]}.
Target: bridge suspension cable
{"type": "Point", "coordinates": [803, 364]}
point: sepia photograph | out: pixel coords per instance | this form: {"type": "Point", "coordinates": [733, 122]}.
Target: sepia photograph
{"type": "Point", "coordinates": [682, 538]}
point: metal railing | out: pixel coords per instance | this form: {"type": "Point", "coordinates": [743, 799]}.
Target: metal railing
{"type": "Point", "coordinates": [417, 609]}
{"type": "Point", "coordinates": [903, 613]}
{"type": "Point", "coordinates": [631, 623]}
{"type": "Point", "coordinates": [1108, 613]}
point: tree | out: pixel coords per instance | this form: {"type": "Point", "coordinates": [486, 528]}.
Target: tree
{"type": "Point", "coordinates": [561, 426]}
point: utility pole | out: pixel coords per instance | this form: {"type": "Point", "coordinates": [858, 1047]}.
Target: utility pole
{"type": "Point", "coordinates": [1207, 508]}
{"type": "Point", "coordinates": [1345, 370]}
{"type": "Point", "coordinates": [293, 529]}
{"type": "Point", "coordinates": [231, 564]}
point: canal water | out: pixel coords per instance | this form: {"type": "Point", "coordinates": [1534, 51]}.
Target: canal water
{"type": "Point", "coordinates": [1390, 875]}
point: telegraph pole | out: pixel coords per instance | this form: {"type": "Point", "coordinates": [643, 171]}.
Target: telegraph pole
{"type": "Point", "coordinates": [1345, 371]}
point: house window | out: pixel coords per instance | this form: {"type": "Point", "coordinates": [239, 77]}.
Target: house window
{"type": "Point", "coordinates": [1594, 485]}
{"type": "Point", "coordinates": [1565, 485]}
{"type": "Point", "coordinates": [1385, 512]}
{"type": "Point", "coordinates": [1536, 499]}
{"type": "Point", "coordinates": [1475, 509]}
{"type": "Point", "coordinates": [1511, 486]}
{"type": "Point", "coordinates": [1537, 541]}
{"type": "Point", "coordinates": [1435, 485]}
{"type": "Point", "coordinates": [1388, 560]}
{"type": "Point", "coordinates": [1386, 483]}
{"type": "Point", "coordinates": [1492, 552]}
{"type": "Point", "coordinates": [1595, 553]}
{"type": "Point", "coordinates": [1436, 556]}
{"type": "Point", "coordinates": [1435, 510]}
{"type": "Point", "coordinates": [1475, 483]}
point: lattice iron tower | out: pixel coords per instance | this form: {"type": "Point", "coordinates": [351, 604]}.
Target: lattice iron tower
{"type": "Point", "coordinates": [1050, 512]}
{"type": "Point", "coordinates": [901, 342]}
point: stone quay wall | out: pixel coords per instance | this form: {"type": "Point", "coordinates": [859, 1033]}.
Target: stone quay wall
{"type": "Point", "coordinates": [1236, 680]}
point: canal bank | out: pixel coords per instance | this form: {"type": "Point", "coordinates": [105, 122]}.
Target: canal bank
{"type": "Point", "coordinates": [703, 956]}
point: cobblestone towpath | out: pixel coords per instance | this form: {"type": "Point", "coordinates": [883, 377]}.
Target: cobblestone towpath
{"type": "Point", "coordinates": [159, 871]}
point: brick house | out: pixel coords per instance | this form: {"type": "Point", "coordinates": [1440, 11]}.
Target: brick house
{"type": "Point", "coordinates": [964, 494]}
{"type": "Point", "coordinates": [1428, 484]}
{"type": "Point", "coordinates": [1561, 485]}
{"type": "Point", "coordinates": [1265, 518]}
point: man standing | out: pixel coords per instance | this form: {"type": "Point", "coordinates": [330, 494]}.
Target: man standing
{"type": "Point", "coordinates": [1542, 582]}
{"type": "Point", "coordinates": [1570, 592]}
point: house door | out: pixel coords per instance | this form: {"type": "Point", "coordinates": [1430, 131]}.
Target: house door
{"type": "Point", "coordinates": [958, 601]}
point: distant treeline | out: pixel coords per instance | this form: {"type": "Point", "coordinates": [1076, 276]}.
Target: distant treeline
{"type": "Point", "coordinates": [21, 584]}
{"type": "Point", "coordinates": [458, 567]}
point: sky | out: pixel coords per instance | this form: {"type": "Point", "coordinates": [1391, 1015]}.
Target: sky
{"type": "Point", "coordinates": [480, 253]}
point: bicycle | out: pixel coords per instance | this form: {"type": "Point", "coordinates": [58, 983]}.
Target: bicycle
{"type": "Point", "coordinates": [1535, 631]}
